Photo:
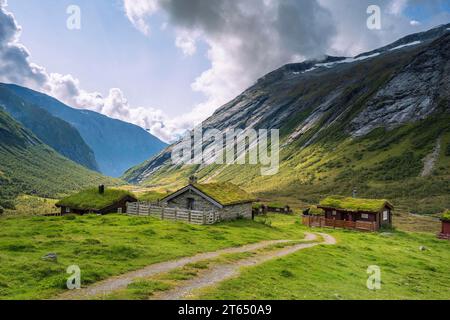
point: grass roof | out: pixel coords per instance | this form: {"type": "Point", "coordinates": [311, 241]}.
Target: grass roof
{"type": "Point", "coordinates": [354, 204]}
{"type": "Point", "coordinates": [225, 193]}
{"type": "Point", "coordinates": [446, 216]}
{"type": "Point", "coordinates": [91, 199]}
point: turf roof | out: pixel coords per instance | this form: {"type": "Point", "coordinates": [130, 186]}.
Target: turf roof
{"type": "Point", "coordinates": [225, 193]}
{"type": "Point", "coordinates": [446, 216]}
{"type": "Point", "coordinates": [91, 199]}
{"type": "Point", "coordinates": [354, 204]}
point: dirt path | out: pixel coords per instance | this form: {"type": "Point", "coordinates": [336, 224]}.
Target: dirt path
{"type": "Point", "coordinates": [223, 272]}
{"type": "Point", "coordinates": [430, 160]}
{"type": "Point", "coordinates": [120, 282]}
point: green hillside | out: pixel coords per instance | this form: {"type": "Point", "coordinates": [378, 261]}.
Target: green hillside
{"type": "Point", "coordinates": [380, 125]}
{"type": "Point", "coordinates": [56, 133]}
{"type": "Point", "coordinates": [27, 166]}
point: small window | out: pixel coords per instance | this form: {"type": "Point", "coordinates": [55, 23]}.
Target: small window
{"type": "Point", "coordinates": [190, 203]}
{"type": "Point", "coordinates": [119, 210]}
{"type": "Point", "coordinates": [364, 216]}
{"type": "Point", "coordinates": [385, 215]}
{"type": "Point", "coordinates": [67, 210]}
{"type": "Point", "coordinates": [334, 213]}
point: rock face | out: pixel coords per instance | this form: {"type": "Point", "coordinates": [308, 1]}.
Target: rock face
{"type": "Point", "coordinates": [337, 98]}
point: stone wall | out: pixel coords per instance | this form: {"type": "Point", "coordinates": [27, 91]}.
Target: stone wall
{"type": "Point", "coordinates": [200, 203]}
{"type": "Point", "coordinates": [227, 213]}
{"type": "Point", "coordinates": [237, 211]}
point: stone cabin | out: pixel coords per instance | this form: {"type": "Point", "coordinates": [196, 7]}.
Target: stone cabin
{"type": "Point", "coordinates": [226, 199]}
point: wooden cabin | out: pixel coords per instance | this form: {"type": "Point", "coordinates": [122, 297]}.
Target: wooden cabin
{"type": "Point", "coordinates": [445, 232]}
{"type": "Point", "coordinates": [353, 213]}
{"type": "Point", "coordinates": [226, 199]}
{"type": "Point", "coordinates": [98, 201]}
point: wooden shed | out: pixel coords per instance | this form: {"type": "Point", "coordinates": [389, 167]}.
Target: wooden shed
{"type": "Point", "coordinates": [445, 232]}
{"type": "Point", "coordinates": [99, 201]}
{"type": "Point", "coordinates": [226, 199]}
{"type": "Point", "coordinates": [355, 213]}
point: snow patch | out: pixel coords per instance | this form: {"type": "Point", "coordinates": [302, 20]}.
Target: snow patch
{"type": "Point", "coordinates": [406, 45]}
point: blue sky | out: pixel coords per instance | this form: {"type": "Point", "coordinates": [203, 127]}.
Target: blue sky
{"type": "Point", "coordinates": [198, 55]}
{"type": "Point", "coordinates": [109, 52]}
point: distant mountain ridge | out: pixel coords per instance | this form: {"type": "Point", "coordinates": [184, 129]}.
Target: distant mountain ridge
{"type": "Point", "coordinates": [53, 131]}
{"type": "Point", "coordinates": [28, 166]}
{"type": "Point", "coordinates": [117, 145]}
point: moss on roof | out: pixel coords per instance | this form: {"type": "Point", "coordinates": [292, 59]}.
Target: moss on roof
{"type": "Point", "coordinates": [314, 211]}
{"type": "Point", "coordinates": [225, 193]}
{"type": "Point", "coordinates": [446, 216]}
{"type": "Point", "coordinates": [91, 199]}
{"type": "Point", "coordinates": [354, 204]}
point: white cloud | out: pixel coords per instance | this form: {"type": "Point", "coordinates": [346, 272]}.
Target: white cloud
{"type": "Point", "coordinates": [244, 40]}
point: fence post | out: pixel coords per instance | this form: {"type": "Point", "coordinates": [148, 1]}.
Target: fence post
{"type": "Point", "coordinates": [204, 217]}
{"type": "Point", "coordinates": [162, 213]}
{"type": "Point", "coordinates": [189, 216]}
{"type": "Point", "coordinates": [176, 219]}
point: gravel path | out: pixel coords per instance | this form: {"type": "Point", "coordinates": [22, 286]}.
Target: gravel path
{"type": "Point", "coordinates": [222, 272]}
{"type": "Point", "coordinates": [430, 160]}
{"type": "Point", "coordinates": [120, 282]}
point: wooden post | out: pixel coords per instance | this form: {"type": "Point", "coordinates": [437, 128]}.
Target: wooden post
{"type": "Point", "coordinates": [176, 219]}
{"type": "Point", "coordinates": [189, 216]}
{"type": "Point", "coordinates": [162, 213]}
{"type": "Point", "coordinates": [204, 217]}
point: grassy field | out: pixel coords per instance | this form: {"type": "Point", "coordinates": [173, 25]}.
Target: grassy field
{"type": "Point", "coordinates": [103, 246]}
{"type": "Point", "coordinates": [340, 272]}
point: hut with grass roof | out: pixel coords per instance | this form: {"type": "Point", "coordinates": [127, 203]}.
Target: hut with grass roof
{"type": "Point", "coordinates": [445, 233]}
{"type": "Point", "coordinates": [226, 199]}
{"type": "Point", "coordinates": [356, 213]}
{"type": "Point", "coordinates": [96, 200]}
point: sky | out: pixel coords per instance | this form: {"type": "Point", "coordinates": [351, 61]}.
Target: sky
{"type": "Point", "coordinates": [167, 65]}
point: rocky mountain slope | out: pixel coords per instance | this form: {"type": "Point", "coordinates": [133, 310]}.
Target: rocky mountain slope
{"type": "Point", "coordinates": [28, 166]}
{"type": "Point", "coordinates": [366, 122]}
{"type": "Point", "coordinates": [53, 131]}
{"type": "Point", "coordinates": [117, 145]}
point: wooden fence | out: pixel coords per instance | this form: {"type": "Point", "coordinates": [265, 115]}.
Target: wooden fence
{"type": "Point", "coordinates": [176, 214]}
{"type": "Point", "coordinates": [322, 222]}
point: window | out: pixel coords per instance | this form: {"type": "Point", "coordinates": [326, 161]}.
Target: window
{"type": "Point", "coordinates": [190, 203]}
{"type": "Point", "coordinates": [67, 210]}
{"type": "Point", "coordinates": [364, 216]}
{"type": "Point", "coordinates": [119, 210]}
{"type": "Point", "coordinates": [385, 215]}
{"type": "Point", "coordinates": [334, 213]}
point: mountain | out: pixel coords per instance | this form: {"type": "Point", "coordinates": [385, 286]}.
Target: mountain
{"type": "Point", "coordinates": [28, 166]}
{"type": "Point", "coordinates": [53, 131]}
{"type": "Point", "coordinates": [117, 145]}
{"type": "Point", "coordinates": [378, 122]}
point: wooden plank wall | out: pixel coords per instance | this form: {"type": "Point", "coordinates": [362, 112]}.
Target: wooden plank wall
{"type": "Point", "coordinates": [320, 221]}
{"type": "Point", "coordinates": [175, 214]}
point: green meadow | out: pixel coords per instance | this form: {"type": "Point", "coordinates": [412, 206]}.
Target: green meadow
{"type": "Point", "coordinates": [104, 246]}
{"type": "Point", "coordinates": [340, 271]}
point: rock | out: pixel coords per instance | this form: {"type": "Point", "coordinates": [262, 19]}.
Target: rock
{"type": "Point", "coordinates": [50, 257]}
{"type": "Point", "coordinates": [423, 248]}
{"type": "Point", "coordinates": [387, 234]}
